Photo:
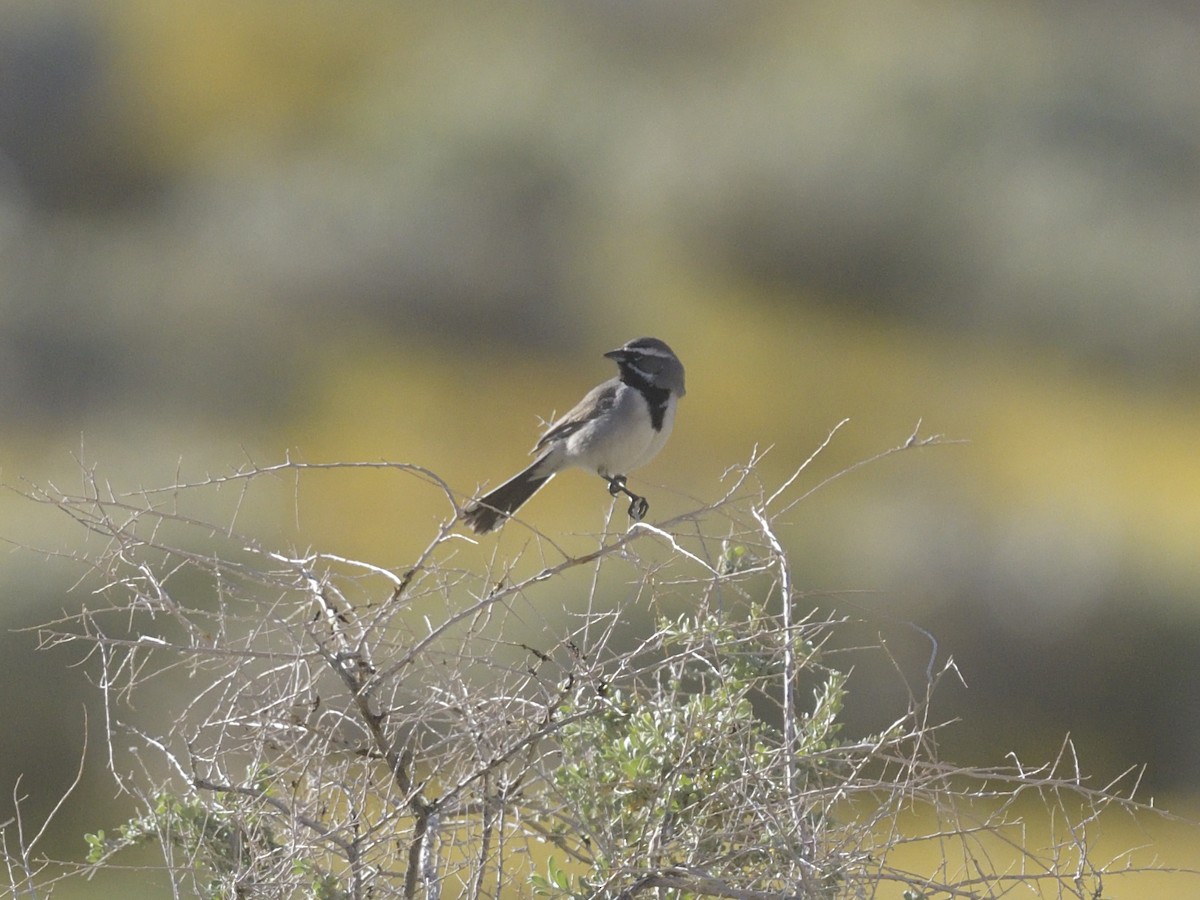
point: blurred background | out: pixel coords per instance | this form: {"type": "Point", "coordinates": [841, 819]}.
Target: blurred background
{"type": "Point", "coordinates": [368, 230]}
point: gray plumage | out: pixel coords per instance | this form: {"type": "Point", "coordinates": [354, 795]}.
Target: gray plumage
{"type": "Point", "coordinates": [617, 427]}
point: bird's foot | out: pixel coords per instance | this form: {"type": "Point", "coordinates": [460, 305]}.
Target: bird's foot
{"type": "Point", "coordinates": [616, 485]}
{"type": "Point", "coordinates": [638, 506]}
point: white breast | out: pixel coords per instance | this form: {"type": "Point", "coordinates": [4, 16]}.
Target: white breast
{"type": "Point", "coordinates": [622, 440]}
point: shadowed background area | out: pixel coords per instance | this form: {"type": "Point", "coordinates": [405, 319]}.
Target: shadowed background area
{"type": "Point", "coordinates": [400, 231]}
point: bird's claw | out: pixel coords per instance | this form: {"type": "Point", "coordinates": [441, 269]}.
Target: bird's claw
{"type": "Point", "coordinates": [638, 506]}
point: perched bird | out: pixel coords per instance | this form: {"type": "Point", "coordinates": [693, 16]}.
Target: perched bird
{"type": "Point", "coordinates": [619, 426]}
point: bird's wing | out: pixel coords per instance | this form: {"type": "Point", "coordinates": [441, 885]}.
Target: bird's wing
{"type": "Point", "coordinates": [598, 401]}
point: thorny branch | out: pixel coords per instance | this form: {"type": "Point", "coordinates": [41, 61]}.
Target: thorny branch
{"type": "Point", "coordinates": [357, 730]}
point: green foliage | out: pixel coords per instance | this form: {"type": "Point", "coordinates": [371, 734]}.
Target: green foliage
{"type": "Point", "coordinates": [735, 557]}
{"type": "Point", "coordinates": [187, 824]}
{"type": "Point", "coordinates": [689, 770]}
{"type": "Point", "coordinates": [224, 847]}
{"type": "Point", "coordinates": [555, 883]}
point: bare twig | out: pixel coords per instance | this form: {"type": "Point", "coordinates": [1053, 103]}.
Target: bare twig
{"type": "Point", "coordinates": [343, 728]}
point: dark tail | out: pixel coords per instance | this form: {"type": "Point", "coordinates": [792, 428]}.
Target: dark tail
{"type": "Point", "coordinates": [490, 511]}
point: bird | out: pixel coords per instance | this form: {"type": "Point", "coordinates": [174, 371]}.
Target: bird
{"type": "Point", "coordinates": [617, 427]}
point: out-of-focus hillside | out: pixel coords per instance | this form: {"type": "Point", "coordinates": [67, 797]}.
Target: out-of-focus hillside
{"type": "Point", "coordinates": [365, 231]}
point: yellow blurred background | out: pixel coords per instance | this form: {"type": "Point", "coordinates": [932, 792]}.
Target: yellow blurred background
{"type": "Point", "coordinates": [376, 231]}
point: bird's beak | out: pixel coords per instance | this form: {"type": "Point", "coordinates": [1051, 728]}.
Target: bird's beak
{"type": "Point", "coordinates": [617, 354]}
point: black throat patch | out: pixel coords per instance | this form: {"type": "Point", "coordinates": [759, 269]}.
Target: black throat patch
{"type": "Point", "coordinates": [656, 397]}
